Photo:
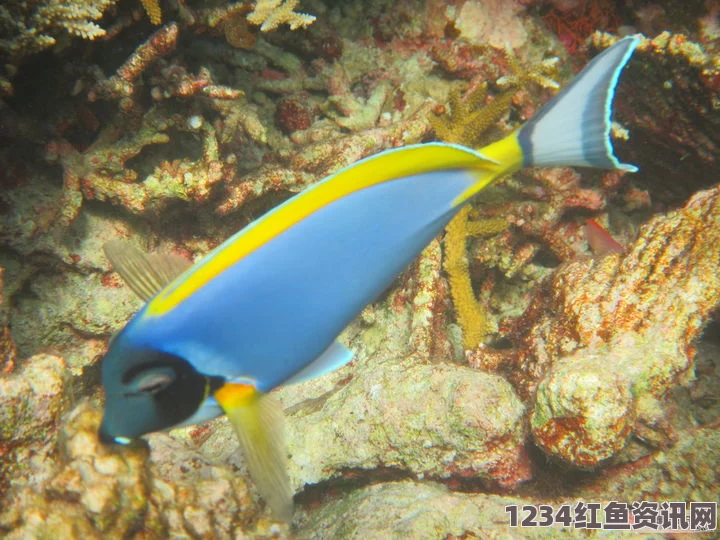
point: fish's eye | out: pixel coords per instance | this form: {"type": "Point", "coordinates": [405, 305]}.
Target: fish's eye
{"type": "Point", "coordinates": [152, 380]}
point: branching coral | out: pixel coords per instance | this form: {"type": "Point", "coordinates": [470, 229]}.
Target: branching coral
{"type": "Point", "coordinates": [153, 10]}
{"type": "Point", "coordinates": [471, 115]}
{"type": "Point", "coordinates": [33, 26]}
{"type": "Point", "coordinates": [100, 172]}
{"type": "Point", "coordinates": [28, 27]}
{"type": "Point", "coordinates": [466, 123]}
{"type": "Point", "coordinates": [122, 84]}
{"type": "Point", "coordinates": [318, 159]}
{"type": "Point", "coordinates": [270, 14]}
{"type": "Point", "coordinates": [471, 318]}
{"type": "Point", "coordinates": [467, 120]}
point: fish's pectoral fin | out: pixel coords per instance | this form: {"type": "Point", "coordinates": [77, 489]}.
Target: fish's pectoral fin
{"type": "Point", "coordinates": [258, 421]}
{"type": "Point", "coordinates": [144, 273]}
{"type": "Point", "coordinates": [334, 357]}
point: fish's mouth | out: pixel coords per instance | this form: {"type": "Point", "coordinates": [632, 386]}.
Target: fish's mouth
{"type": "Point", "coordinates": [106, 438]}
{"type": "Point", "coordinates": [119, 440]}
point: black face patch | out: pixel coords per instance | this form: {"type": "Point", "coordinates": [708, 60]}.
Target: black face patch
{"type": "Point", "coordinates": [158, 391]}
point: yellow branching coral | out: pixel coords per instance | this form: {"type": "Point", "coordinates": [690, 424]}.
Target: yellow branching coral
{"type": "Point", "coordinates": [470, 316]}
{"type": "Point", "coordinates": [466, 123]}
{"type": "Point", "coordinates": [270, 14]}
{"type": "Point", "coordinates": [469, 117]}
{"type": "Point", "coordinates": [522, 76]}
{"type": "Point", "coordinates": [152, 8]}
{"type": "Point", "coordinates": [467, 120]}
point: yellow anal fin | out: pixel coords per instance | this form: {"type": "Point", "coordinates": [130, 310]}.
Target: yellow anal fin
{"type": "Point", "coordinates": [258, 421]}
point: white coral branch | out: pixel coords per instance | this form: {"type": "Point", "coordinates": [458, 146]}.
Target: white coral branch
{"type": "Point", "coordinates": [270, 14]}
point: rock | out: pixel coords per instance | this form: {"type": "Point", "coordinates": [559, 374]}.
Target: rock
{"type": "Point", "coordinates": [607, 339]}
{"type": "Point", "coordinates": [87, 490]}
{"type": "Point", "coordinates": [408, 509]}
{"type": "Point", "coordinates": [31, 403]}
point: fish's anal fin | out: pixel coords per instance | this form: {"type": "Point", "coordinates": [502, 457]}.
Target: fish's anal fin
{"type": "Point", "coordinates": [334, 357]}
{"type": "Point", "coordinates": [144, 273]}
{"type": "Point", "coordinates": [258, 421]}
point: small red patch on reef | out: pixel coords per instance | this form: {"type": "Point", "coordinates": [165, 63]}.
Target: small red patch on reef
{"type": "Point", "coordinates": [293, 113]}
{"type": "Point", "coordinates": [573, 26]}
{"type": "Point", "coordinates": [111, 279]}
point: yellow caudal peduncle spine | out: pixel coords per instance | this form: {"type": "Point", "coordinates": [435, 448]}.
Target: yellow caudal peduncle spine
{"type": "Point", "coordinates": [504, 157]}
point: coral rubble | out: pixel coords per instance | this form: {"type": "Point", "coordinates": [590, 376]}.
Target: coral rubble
{"type": "Point", "coordinates": [87, 490]}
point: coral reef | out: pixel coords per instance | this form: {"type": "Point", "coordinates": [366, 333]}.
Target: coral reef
{"type": "Point", "coordinates": [504, 337]}
{"type": "Point", "coordinates": [270, 14]}
{"type": "Point", "coordinates": [32, 402]}
{"type": "Point", "coordinates": [87, 490]}
{"type": "Point", "coordinates": [471, 116]}
{"type": "Point", "coordinates": [27, 27]}
{"type": "Point", "coordinates": [409, 510]}
{"type": "Point", "coordinates": [614, 311]}
{"type": "Point", "coordinates": [679, 113]}
{"type": "Point", "coordinates": [576, 20]}
{"type": "Point", "coordinates": [100, 173]}
{"type": "Point", "coordinates": [494, 22]}
{"type": "Point", "coordinates": [688, 471]}
{"type": "Point", "coordinates": [8, 351]}
{"type": "Point", "coordinates": [467, 424]}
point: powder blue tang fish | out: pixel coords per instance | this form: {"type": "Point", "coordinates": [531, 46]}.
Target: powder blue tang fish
{"type": "Point", "coordinates": [265, 307]}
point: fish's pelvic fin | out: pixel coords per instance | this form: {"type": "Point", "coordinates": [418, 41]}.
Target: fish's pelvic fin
{"type": "Point", "coordinates": [144, 273]}
{"type": "Point", "coordinates": [334, 357]}
{"type": "Point", "coordinates": [574, 127]}
{"type": "Point", "coordinates": [258, 421]}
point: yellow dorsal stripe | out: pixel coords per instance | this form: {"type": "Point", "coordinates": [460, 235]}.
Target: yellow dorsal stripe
{"type": "Point", "coordinates": [389, 165]}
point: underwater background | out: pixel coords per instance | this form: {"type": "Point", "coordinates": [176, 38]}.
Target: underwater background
{"type": "Point", "coordinates": [557, 344]}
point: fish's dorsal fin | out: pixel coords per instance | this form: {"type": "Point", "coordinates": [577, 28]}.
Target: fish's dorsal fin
{"type": "Point", "coordinates": [144, 273]}
{"type": "Point", "coordinates": [258, 422]}
{"type": "Point", "coordinates": [334, 357]}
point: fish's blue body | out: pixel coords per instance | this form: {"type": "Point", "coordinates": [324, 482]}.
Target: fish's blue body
{"type": "Point", "coordinates": [283, 304]}
{"type": "Point", "coordinates": [266, 307]}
